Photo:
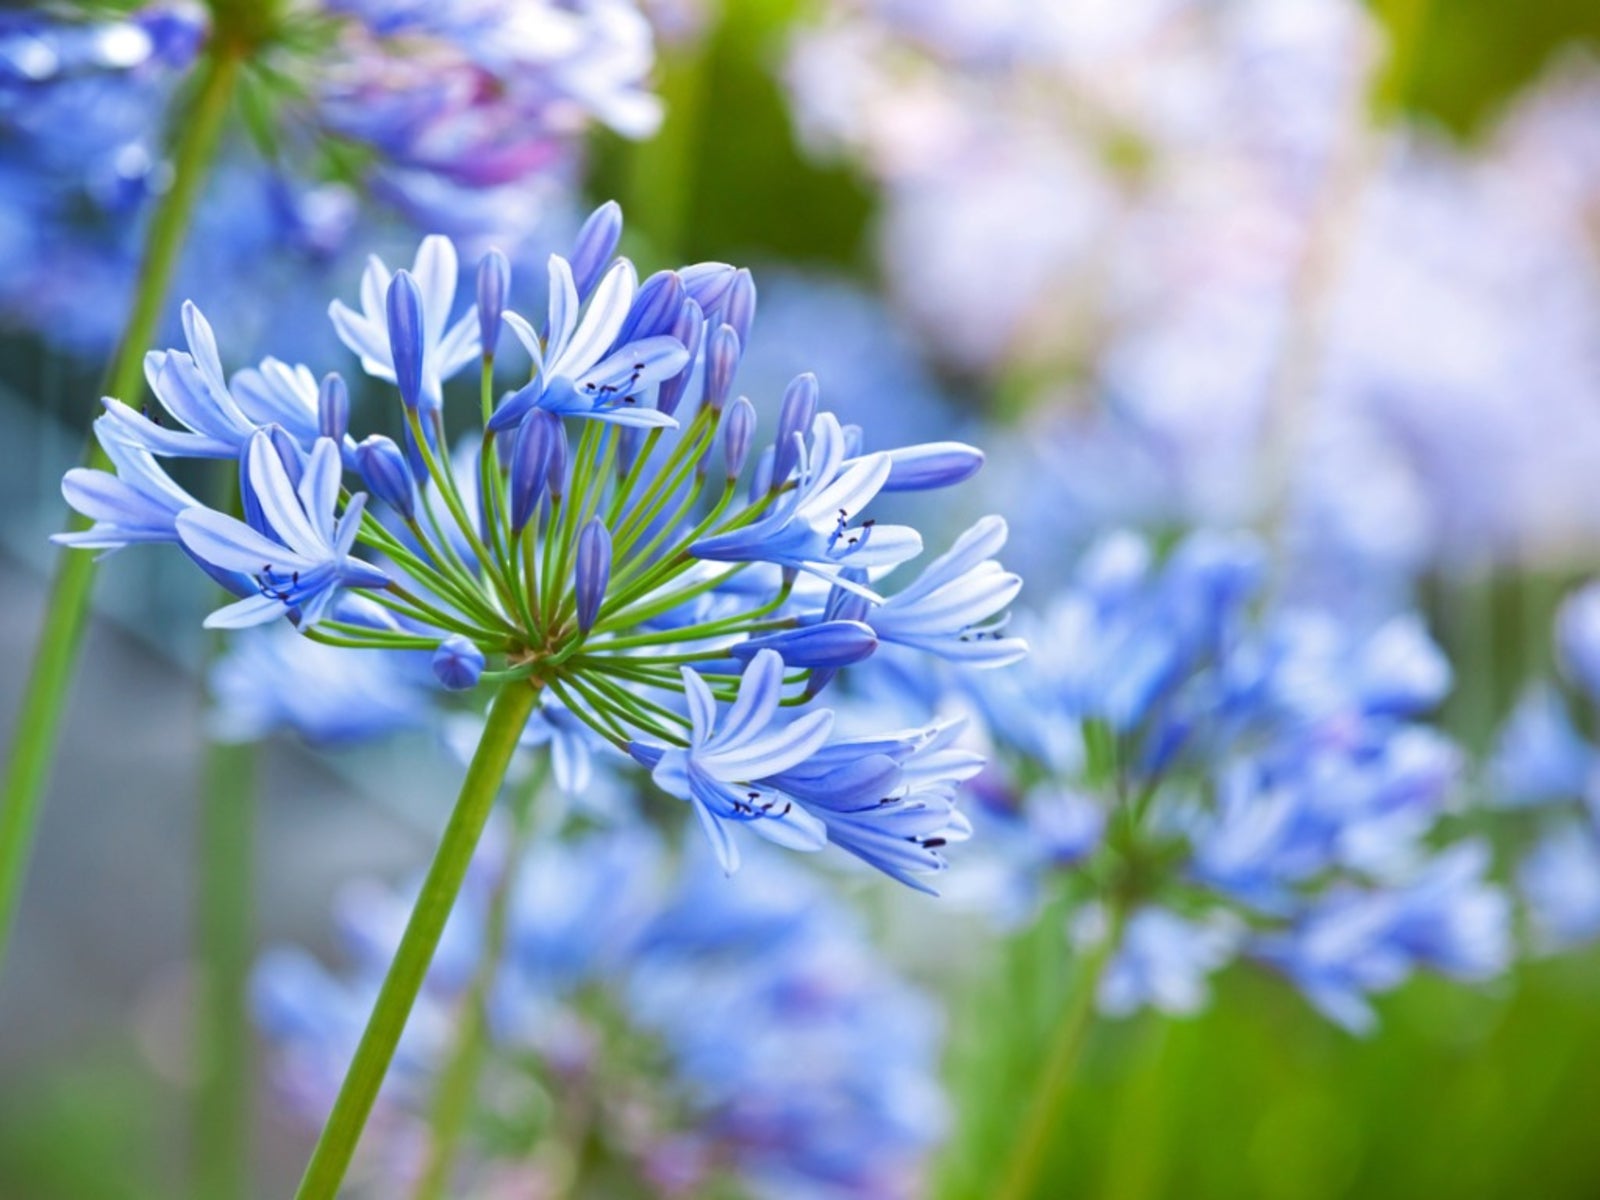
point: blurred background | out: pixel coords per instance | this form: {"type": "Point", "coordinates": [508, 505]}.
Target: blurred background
{"type": "Point", "coordinates": [1322, 269]}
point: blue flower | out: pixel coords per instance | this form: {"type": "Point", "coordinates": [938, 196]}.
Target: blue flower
{"type": "Point", "coordinates": [446, 347]}
{"type": "Point", "coordinates": [579, 370]}
{"type": "Point", "coordinates": [809, 528]}
{"type": "Point", "coordinates": [1357, 942]}
{"type": "Point", "coordinates": [616, 570]}
{"type": "Point", "coordinates": [951, 609]}
{"type": "Point", "coordinates": [1262, 773]}
{"type": "Point", "coordinates": [303, 565]}
{"type": "Point", "coordinates": [1165, 962]}
{"type": "Point", "coordinates": [718, 772]}
{"type": "Point", "coordinates": [277, 679]}
{"type": "Point", "coordinates": [139, 503]}
{"type": "Point", "coordinates": [787, 1060]}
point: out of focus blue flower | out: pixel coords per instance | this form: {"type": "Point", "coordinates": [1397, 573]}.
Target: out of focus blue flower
{"type": "Point", "coordinates": [462, 118]}
{"type": "Point", "coordinates": [276, 679]}
{"type": "Point", "coordinates": [1242, 780]}
{"type": "Point", "coordinates": [1544, 776]}
{"type": "Point", "coordinates": [704, 1031]}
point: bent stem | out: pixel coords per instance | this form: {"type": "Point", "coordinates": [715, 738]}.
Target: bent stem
{"type": "Point", "coordinates": [452, 1102]}
{"type": "Point", "coordinates": [45, 694]}
{"type": "Point", "coordinates": [335, 1148]}
{"type": "Point", "coordinates": [1019, 1176]}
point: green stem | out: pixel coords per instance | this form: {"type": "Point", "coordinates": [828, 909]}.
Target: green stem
{"type": "Point", "coordinates": [224, 905]}
{"type": "Point", "coordinates": [1019, 1177]}
{"type": "Point", "coordinates": [452, 1102]}
{"type": "Point", "coordinates": [335, 1148]}
{"type": "Point", "coordinates": [45, 694]}
{"type": "Point", "coordinates": [225, 884]}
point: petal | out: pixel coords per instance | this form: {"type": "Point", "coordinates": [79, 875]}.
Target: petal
{"type": "Point", "coordinates": [774, 752]}
{"type": "Point", "coordinates": [564, 304]}
{"type": "Point", "coordinates": [203, 346]}
{"type": "Point", "coordinates": [375, 281]}
{"type": "Point", "coordinates": [364, 338]}
{"type": "Point", "coordinates": [349, 525]}
{"type": "Point", "coordinates": [984, 540]}
{"type": "Point", "coordinates": [269, 483]}
{"type": "Point", "coordinates": [634, 367]}
{"type": "Point", "coordinates": [319, 487]}
{"type": "Point", "coordinates": [760, 690]}
{"type": "Point", "coordinates": [720, 837]}
{"type": "Point", "coordinates": [526, 335]}
{"type": "Point", "coordinates": [436, 270]}
{"type": "Point", "coordinates": [792, 827]}
{"type": "Point", "coordinates": [459, 346]}
{"type": "Point", "coordinates": [241, 614]}
{"type": "Point", "coordinates": [702, 705]}
{"type": "Point", "coordinates": [601, 321]}
{"type": "Point", "coordinates": [228, 543]}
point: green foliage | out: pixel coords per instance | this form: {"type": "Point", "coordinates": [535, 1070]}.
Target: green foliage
{"type": "Point", "coordinates": [1459, 62]}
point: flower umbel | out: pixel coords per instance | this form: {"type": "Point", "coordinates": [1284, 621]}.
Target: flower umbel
{"type": "Point", "coordinates": [590, 542]}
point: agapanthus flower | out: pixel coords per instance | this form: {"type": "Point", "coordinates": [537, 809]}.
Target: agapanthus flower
{"type": "Point", "coordinates": [1227, 780]}
{"type": "Point", "coordinates": [1545, 778]}
{"type": "Point", "coordinates": [390, 118]}
{"type": "Point", "coordinates": [583, 544]}
{"type": "Point", "coordinates": [705, 1032]}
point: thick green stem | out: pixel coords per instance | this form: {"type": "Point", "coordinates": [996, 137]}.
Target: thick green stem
{"type": "Point", "coordinates": [44, 697]}
{"type": "Point", "coordinates": [452, 1101]}
{"type": "Point", "coordinates": [1030, 1153]}
{"type": "Point", "coordinates": [335, 1148]}
{"type": "Point", "coordinates": [225, 884]}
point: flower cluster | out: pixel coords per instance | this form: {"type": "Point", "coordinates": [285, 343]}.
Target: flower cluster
{"type": "Point", "coordinates": [1238, 786]}
{"type": "Point", "coordinates": [697, 1031]}
{"type": "Point", "coordinates": [385, 115]}
{"type": "Point", "coordinates": [616, 536]}
{"type": "Point", "coordinates": [1545, 776]}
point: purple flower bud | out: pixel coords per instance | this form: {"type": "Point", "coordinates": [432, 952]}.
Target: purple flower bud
{"type": "Point", "coordinates": [708, 284]}
{"type": "Point", "coordinates": [405, 336]}
{"type": "Point", "coordinates": [494, 281]}
{"type": "Point", "coordinates": [530, 461]}
{"type": "Point", "coordinates": [595, 244]}
{"type": "Point", "coordinates": [741, 306]}
{"type": "Point", "coordinates": [555, 474]}
{"type": "Point", "coordinates": [388, 476]}
{"type": "Point", "coordinates": [457, 663]}
{"type": "Point", "coordinates": [800, 400]}
{"type": "Point", "coordinates": [827, 645]}
{"type": "Point", "coordinates": [689, 328]}
{"type": "Point", "coordinates": [333, 407]}
{"type": "Point", "coordinates": [654, 310]}
{"type": "Point", "coordinates": [722, 361]}
{"type": "Point", "coordinates": [931, 465]}
{"type": "Point", "coordinates": [593, 571]}
{"type": "Point", "coordinates": [738, 431]}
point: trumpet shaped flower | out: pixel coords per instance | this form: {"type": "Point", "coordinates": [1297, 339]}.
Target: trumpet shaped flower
{"type": "Point", "coordinates": [300, 565]}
